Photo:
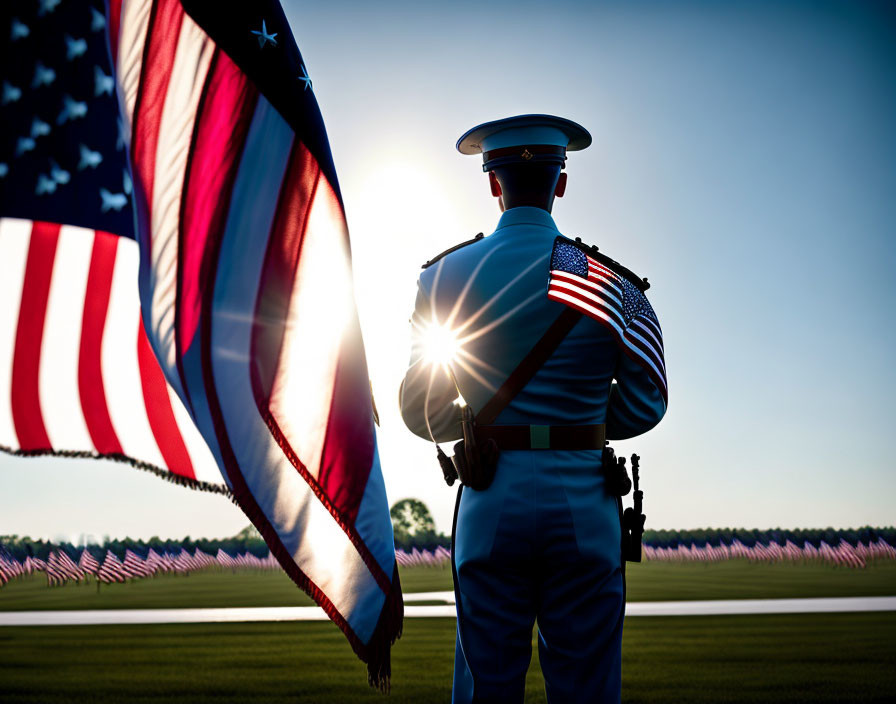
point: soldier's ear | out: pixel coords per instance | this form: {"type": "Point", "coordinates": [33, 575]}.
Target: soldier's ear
{"type": "Point", "coordinates": [493, 183]}
{"type": "Point", "coordinates": [561, 186]}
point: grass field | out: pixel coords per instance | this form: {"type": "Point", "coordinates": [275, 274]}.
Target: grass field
{"type": "Point", "coordinates": [792, 658]}
{"type": "Point", "coordinates": [781, 658]}
{"type": "Point", "coordinates": [652, 581]}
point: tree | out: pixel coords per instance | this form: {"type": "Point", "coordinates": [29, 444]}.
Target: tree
{"type": "Point", "coordinates": [413, 525]}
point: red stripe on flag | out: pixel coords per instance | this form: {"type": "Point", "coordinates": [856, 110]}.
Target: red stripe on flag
{"type": "Point", "coordinates": [302, 185]}
{"type": "Point", "coordinates": [591, 299]}
{"type": "Point", "coordinates": [25, 397]}
{"type": "Point", "coordinates": [158, 61]}
{"type": "Point", "coordinates": [93, 323]}
{"type": "Point", "coordinates": [159, 411]}
{"type": "Point", "coordinates": [638, 328]}
{"type": "Point", "coordinates": [647, 352]}
{"type": "Point", "coordinates": [653, 328]}
{"type": "Point", "coordinates": [114, 25]}
{"type": "Point", "coordinates": [349, 443]}
{"type": "Point", "coordinates": [279, 273]}
{"type": "Point", "coordinates": [348, 449]}
{"type": "Point", "coordinates": [597, 285]}
{"type": "Point", "coordinates": [222, 122]}
{"type": "Point", "coordinates": [250, 507]}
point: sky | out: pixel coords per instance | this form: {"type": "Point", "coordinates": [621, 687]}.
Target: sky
{"type": "Point", "coordinates": [744, 160]}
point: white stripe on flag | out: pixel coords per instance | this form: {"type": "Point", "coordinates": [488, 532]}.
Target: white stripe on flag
{"type": "Point", "coordinates": [60, 397]}
{"type": "Point", "coordinates": [15, 236]}
{"type": "Point", "coordinates": [593, 296]}
{"type": "Point", "coordinates": [321, 300]}
{"type": "Point", "coordinates": [204, 466]}
{"type": "Point", "coordinates": [631, 332]}
{"type": "Point", "coordinates": [308, 531]}
{"type": "Point", "coordinates": [584, 307]}
{"type": "Point", "coordinates": [131, 42]}
{"type": "Point", "coordinates": [191, 62]}
{"type": "Point", "coordinates": [655, 343]}
{"type": "Point", "coordinates": [121, 372]}
{"type": "Point", "coordinates": [573, 280]}
{"type": "Point", "coordinates": [641, 355]}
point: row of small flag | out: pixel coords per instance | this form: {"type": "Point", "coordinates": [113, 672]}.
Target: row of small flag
{"type": "Point", "coordinates": [842, 555]}
{"type": "Point", "coordinates": [61, 568]}
{"type": "Point", "coordinates": [425, 558]}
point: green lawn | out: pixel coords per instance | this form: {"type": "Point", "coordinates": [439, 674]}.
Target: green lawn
{"type": "Point", "coordinates": [792, 658]}
{"type": "Point", "coordinates": [653, 581]}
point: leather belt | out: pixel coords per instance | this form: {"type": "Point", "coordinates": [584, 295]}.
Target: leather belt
{"type": "Point", "coordinates": [544, 437]}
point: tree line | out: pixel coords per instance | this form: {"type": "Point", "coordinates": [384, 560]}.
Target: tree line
{"type": "Point", "coordinates": [247, 540]}
{"type": "Point", "coordinates": [414, 527]}
{"type": "Point", "coordinates": [751, 536]}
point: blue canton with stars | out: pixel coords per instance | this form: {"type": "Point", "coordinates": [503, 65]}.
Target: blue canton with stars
{"type": "Point", "coordinates": [62, 148]}
{"type": "Point", "coordinates": [570, 259]}
{"type": "Point", "coordinates": [635, 303]}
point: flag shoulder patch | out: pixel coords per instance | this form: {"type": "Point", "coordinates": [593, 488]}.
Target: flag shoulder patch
{"type": "Point", "coordinates": [592, 251]}
{"type": "Point", "coordinates": [452, 249]}
{"type": "Point", "coordinates": [593, 284]}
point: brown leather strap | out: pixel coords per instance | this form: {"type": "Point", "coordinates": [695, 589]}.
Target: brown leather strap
{"type": "Point", "coordinates": [530, 365]}
{"type": "Point", "coordinates": [544, 437]}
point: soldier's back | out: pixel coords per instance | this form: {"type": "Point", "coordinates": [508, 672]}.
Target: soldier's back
{"type": "Point", "coordinates": [493, 293]}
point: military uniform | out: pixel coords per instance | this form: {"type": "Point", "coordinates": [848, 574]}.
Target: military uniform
{"type": "Point", "coordinates": [543, 540]}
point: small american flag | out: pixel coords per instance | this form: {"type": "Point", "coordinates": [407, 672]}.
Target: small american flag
{"type": "Point", "coordinates": [87, 562]}
{"type": "Point", "coordinates": [111, 570]}
{"type": "Point", "coordinates": [590, 287]}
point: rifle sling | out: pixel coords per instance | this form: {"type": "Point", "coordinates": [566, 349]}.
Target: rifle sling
{"type": "Point", "coordinates": [529, 366]}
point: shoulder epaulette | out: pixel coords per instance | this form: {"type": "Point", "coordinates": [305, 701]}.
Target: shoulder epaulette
{"type": "Point", "coordinates": [592, 251]}
{"type": "Point", "coordinates": [452, 249]}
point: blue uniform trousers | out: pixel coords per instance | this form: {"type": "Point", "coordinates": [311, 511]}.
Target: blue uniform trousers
{"type": "Point", "coordinates": [542, 543]}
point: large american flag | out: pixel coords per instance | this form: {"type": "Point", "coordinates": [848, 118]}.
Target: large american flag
{"type": "Point", "coordinates": [209, 149]}
{"type": "Point", "coordinates": [593, 288]}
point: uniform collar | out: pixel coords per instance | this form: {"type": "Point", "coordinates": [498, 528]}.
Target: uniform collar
{"type": "Point", "coordinates": [526, 215]}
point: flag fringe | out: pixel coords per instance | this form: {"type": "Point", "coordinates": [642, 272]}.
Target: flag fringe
{"type": "Point", "coordinates": [376, 653]}
{"type": "Point", "coordinates": [179, 479]}
{"type": "Point", "coordinates": [388, 630]}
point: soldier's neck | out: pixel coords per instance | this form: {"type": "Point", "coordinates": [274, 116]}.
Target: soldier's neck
{"type": "Point", "coordinates": [506, 202]}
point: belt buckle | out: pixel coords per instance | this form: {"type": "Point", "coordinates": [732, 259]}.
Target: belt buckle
{"type": "Point", "coordinates": [540, 437]}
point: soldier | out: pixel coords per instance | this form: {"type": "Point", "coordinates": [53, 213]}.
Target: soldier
{"type": "Point", "coordinates": [553, 348]}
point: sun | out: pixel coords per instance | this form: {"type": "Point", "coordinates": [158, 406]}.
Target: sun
{"type": "Point", "coordinates": [440, 344]}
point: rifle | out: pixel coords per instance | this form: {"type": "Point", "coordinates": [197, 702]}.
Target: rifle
{"type": "Point", "coordinates": [618, 484]}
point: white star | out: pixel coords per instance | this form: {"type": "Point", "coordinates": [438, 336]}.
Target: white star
{"type": "Point", "coordinates": [264, 37]}
{"type": "Point", "coordinates": [47, 6]}
{"type": "Point", "coordinates": [24, 144]}
{"type": "Point", "coordinates": [101, 82]}
{"type": "Point", "coordinates": [11, 93]}
{"type": "Point", "coordinates": [97, 20]}
{"type": "Point", "coordinates": [45, 185]}
{"type": "Point", "coordinates": [304, 77]}
{"type": "Point", "coordinates": [71, 110]}
{"type": "Point", "coordinates": [74, 47]}
{"type": "Point", "coordinates": [89, 158]}
{"type": "Point", "coordinates": [43, 76]}
{"type": "Point", "coordinates": [58, 174]}
{"type": "Point", "coordinates": [112, 201]}
{"type": "Point", "coordinates": [19, 30]}
{"type": "Point", "coordinates": [39, 128]}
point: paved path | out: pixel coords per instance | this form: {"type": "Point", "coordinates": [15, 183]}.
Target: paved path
{"type": "Point", "coordinates": [312, 613]}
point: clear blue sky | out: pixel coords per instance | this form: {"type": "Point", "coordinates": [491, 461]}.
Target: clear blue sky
{"type": "Point", "coordinates": [744, 159]}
